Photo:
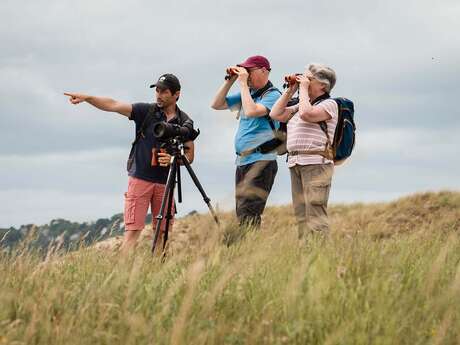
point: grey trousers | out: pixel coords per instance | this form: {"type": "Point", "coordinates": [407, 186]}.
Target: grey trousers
{"type": "Point", "coordinates": [310, 185]}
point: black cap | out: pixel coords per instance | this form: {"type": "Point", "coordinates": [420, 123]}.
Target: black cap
{"type": "Point", "coordinates": [168, 81]}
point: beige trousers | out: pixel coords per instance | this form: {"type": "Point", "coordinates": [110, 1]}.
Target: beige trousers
{"type": "Point", "coordinates": [310, 185]}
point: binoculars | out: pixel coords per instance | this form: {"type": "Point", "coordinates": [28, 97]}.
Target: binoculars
{"type": "Point", "coordinates": [230, 73]}
{"type": "Point", "coordinates": [290, 79]}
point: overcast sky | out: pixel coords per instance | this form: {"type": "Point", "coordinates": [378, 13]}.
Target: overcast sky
{"type": "Point", "coordinates": [399, 61]}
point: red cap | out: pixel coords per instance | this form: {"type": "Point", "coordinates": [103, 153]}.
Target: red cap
{"type": "Point", "coordinates": [255, 61]}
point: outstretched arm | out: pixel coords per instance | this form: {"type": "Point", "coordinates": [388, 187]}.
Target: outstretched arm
{"type": "Point", "coordinates": [103, 103]}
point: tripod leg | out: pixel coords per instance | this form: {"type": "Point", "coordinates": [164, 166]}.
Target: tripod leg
{"type": "Point", "coordinates": [179, 185]}
{"type": "Point", "coordinates": [169, 216]}
{"type": "Point", "coordinates": [169, 190]}
{"type": "Point", "coordinates": [200, 188]}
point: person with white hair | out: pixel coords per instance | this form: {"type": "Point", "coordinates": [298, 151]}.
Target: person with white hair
{"type": "Point", "coordinates": [311, 126]}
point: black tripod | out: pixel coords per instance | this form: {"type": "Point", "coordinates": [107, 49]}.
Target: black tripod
{"type": "Point", "coordinates": [175, 148]}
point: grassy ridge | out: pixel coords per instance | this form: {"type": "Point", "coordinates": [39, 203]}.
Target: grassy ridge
{"type": "Point", "coordinates": [390, 274]}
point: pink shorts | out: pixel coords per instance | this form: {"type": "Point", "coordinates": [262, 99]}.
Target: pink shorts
{"type": "Point", "coordinates": [142, 194]}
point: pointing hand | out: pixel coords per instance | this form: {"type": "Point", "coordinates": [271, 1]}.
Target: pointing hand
{"type": "Point", "coordinates": [76, 98]}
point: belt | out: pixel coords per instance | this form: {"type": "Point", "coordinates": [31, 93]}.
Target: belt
{"type": "Point", "coordinates": [246, 153]}
{"type": "Point", "coordinates": [312, 152]}
{"type": "Point", "coordinates": [328, 154]}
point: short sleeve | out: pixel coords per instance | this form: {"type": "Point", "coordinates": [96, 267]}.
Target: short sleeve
{"type": "Point", "coordinates": [139, 112]}
{"type": "Point", "coordinates": [233, 101]}
{"type": "Point", "coordinates": [269, 99]}
{"type": "Point", "coordinates": [331, 108]}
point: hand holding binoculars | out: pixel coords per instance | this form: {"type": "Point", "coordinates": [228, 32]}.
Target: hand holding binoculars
{"type": "Point", "coordinates": [290, 80]}
{"type": "Point", "coordinates": [231, 71]}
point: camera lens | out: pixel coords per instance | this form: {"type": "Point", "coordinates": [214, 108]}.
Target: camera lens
{"type": "Point", "coordinates": [160, 129]}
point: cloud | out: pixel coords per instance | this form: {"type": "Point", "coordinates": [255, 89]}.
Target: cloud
{"type": "Point", "coordinates": [397, 62]}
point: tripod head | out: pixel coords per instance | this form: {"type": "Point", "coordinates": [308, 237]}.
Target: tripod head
{"type": "Point", "coordinates": [174, 146]}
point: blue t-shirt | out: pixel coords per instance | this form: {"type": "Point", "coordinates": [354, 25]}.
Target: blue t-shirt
{"type": "Point", "coordinates": [142, 167]}
{"type": "Point", "coordinates": [253, 131]}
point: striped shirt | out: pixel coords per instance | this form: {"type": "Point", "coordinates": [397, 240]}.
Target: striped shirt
{"type": "Point", "coordinates": [307, 136]}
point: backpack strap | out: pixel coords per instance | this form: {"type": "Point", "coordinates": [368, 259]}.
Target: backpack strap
{"type": "Point", "coordinates": [271, 123]}
{"type": "Point", "coordinates": [261, 93]}
{"type": "Point", "coordinates": [270, 120]}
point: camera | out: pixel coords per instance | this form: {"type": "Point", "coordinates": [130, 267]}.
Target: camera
{"type": "Point", "coordinates": [290, 79]}
{"type": "Point", "coordinates": [164, 131]}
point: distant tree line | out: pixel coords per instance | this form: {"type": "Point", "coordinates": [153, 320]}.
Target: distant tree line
{"type": "Point", "coordinates": [62, 233]}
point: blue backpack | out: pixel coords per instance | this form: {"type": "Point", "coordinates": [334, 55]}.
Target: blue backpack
{"type": "Point", "coordinates": [344, 136]}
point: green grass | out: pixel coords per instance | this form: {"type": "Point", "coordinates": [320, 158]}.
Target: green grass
{"type": "Point", "coordinates": [382, 278]}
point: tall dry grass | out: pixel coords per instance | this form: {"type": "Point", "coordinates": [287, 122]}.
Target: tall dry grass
{"type": "Point", "coordinates": [390, 274]}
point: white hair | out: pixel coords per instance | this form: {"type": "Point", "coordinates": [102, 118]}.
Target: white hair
{"type": "Point", "coordinates": [323, 74]}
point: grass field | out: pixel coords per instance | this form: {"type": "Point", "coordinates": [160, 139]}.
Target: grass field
{"type": "Point", "coordinates": [390, 274]}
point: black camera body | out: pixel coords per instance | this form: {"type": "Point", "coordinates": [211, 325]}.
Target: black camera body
{"type": "Point", "coordinates": [165, 131]}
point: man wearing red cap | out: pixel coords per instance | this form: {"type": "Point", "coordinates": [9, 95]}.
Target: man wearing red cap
{"type": "Point", "coordinates": [256, 165]}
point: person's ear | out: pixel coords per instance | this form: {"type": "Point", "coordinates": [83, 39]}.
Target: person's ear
{"type": "Point", "coordinates": [177, 94]}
